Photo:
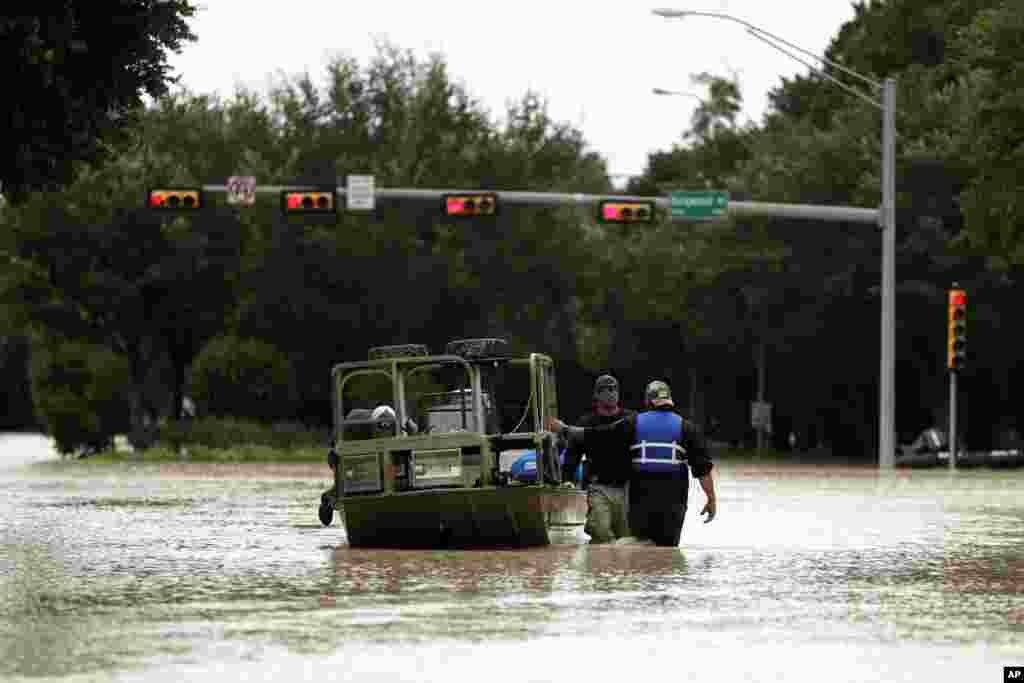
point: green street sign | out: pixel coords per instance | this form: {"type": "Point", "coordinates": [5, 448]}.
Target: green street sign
{"type": "Point", "coordinates": [707, 204]}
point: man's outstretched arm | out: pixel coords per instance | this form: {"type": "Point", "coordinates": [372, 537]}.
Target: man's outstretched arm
{"type": "Point", "coordinates": [573, 432]}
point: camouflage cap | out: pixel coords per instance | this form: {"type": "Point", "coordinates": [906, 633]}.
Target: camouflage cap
{"type": "Point", "coordinates": [658, 393]}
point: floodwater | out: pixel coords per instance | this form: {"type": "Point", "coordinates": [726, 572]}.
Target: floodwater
{"type": "Point", "coordinates": [218, 573]}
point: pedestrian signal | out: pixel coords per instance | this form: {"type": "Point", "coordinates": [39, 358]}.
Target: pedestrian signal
{"type": "Point", "coordinates": [957, 354]}
{"type": "Point", "coordinates": [469, 204]}
{"type": "Point", "coordinates": [610, 211]}
{"type": "Point", "coordinates": [308, 201]}
{"type": "Point", "coordinates": [190, 199]}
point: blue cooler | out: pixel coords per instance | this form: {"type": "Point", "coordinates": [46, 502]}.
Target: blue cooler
{"type": "Point", "coordinates": [524, 469]}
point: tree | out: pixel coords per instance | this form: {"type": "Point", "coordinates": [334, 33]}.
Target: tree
{"type": "Point", "coordinates": [717, 113]}
{"type": "Point", "coordinates": [403, 273]}
{"type": "Point", "coordinates": [993, 143]}
{"type": "Point", "coordinates": [724, 276]}
{"type": "Point", "coordinates": [78, 390]}
{"type": "Point", "coordinates": [88, 269]}
{"type": "Point", "coordinates": [243, 378]}
{"type": "Point", "coordinates": [76, 71]}
{"type": "Point", "coordinates": [14, 364]}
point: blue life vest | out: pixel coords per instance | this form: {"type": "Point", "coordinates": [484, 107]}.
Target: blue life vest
{"type": "Point", "coordinates": [657, 449]}
{"type": "Point", "coordinates": [524, 468]}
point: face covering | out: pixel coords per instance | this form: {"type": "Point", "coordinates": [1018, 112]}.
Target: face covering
{"type": "Point", "coordinates": [606, 401]}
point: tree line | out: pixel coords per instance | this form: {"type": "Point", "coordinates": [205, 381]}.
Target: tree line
{"type": "Point", "coordinates": [112, 314]}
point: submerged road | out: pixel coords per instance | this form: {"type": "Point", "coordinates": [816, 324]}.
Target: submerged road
{"type": "Point", "coordinates": [222, 572]}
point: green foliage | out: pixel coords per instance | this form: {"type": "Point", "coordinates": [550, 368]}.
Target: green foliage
{"type": "Point", "coordinates": [149, 288]}
{"type": "Point", "coordinates": [14, 377]}
{"type": "Point", "coordinates": [79, 69]}
{"type": "Point", "coordinates": [243, 378]}
{"type": "Point", "coordinates": [198, 453]}
{"type": "Point", "coordinates": [993, 145]}
{"type": "Point", "coordinates": [810, 289]}
{"type": "Point", "coordinates": [716, 114]}
{"type": "Point", "coordinates": [78, 391]}
{"type": "Point", "coordinates": [323, 296]}
{"type": "Point", "coordinates": [87, 264]}
{"type": "Point", "coordinates": [643, 302]}
{"type": "Point", "coordinates": [232, 433]}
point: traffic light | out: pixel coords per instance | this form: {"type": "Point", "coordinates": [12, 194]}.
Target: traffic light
{"type": "Point", "coordinates": [469, 204]}
{"type": "Point", "coordinates": [179, 199]}
{"type": "Point", "coordinates": [322, 201]}
{"type": "Point", "coordinates": [957, 356]}
{"type": "Point", "coordinates": [610, 211]}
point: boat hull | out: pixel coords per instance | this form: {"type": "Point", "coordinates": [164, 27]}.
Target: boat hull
{"type": "Point", "coordinates": [516, 516]}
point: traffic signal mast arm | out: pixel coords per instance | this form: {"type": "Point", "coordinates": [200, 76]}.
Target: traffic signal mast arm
{"type": "Point", "coordinates": [852, 214]}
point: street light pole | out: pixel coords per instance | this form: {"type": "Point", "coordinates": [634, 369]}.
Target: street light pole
{"type": "Point", "coordinates": [886, 218]}
{"type": "Point", "coordinates": [662, 91]}
{"type": "Point", "coordinates": [887, 398]}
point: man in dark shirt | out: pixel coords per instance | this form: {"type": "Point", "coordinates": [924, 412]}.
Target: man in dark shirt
{"type": "Point", "coordinates": [607, 468]}
{"type": "Point", "coordinates": [663, 449]}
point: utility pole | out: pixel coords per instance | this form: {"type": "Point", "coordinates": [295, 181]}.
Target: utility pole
{"type": "Point", "coordinates": [952, 419]}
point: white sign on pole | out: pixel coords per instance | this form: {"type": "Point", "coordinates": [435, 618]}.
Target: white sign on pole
{"type": "Point", "coordinates": [761, 415]}
{"type": "Point", "coordinates": [242, 190]}
{"type": "Point", "coordinates": [359, 192]}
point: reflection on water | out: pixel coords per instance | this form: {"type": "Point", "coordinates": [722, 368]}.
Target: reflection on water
{"type": "Point", "coordinates": [197, 572]}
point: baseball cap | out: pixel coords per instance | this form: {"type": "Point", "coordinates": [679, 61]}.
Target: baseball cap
{"type": "Point", "coordinates": [606, 382]}
{"type": "Point", "coordinates": [659, 394]}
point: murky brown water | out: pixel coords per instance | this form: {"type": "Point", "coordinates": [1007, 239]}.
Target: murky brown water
{"type": "Point", "coordinates": [216, 573]}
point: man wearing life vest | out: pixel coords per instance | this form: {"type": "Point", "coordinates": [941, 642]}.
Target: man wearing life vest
{"type": "Point", "coordinates": [605, 473]}
{"type": "Point", "coordinates": [662, 449]}
{"type": "Point", "coordinates": [665, 449]}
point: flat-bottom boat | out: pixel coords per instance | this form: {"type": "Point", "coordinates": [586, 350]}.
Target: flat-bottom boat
{"type": "Point", "coordinates": [448, 450]}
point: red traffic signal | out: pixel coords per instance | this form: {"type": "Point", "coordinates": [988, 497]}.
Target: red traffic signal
{"type": "Point", "coordinates": [611, 211]}
{"type": "Point", "coordinates": [308, 201]}
{"type": "Point", "coordinates": [469, 204]}
{"type": "Point", "coordinates": [183, 199]}
{"type": "Point", "coordinates": [956, 356]}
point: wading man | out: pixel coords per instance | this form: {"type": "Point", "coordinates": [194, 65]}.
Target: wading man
{"type": "Point", "coordinates": [663, 449]}
{"type": "Point", "coordinates": [607, 468]}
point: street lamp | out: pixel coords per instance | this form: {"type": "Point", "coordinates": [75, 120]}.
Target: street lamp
{"type": "Point", "coordinates": [887, 213]}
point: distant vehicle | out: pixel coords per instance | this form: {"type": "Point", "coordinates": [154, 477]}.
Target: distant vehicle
{"type": "Point", "coordinates": [931, 448]}
{"type": "Point", "coordinates": [446, 467]}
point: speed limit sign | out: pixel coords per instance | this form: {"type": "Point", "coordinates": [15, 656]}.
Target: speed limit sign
{"type": "Point", "coordinates": [242, 190]}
